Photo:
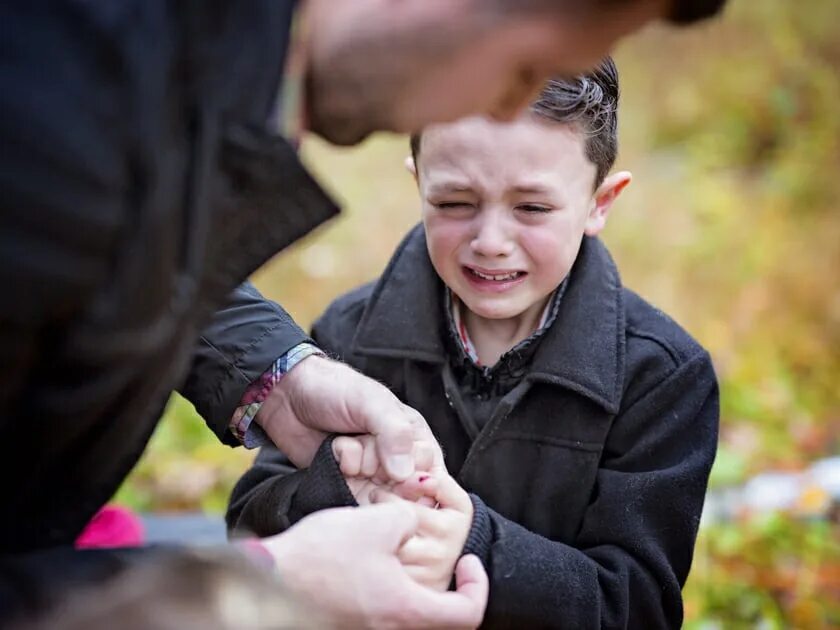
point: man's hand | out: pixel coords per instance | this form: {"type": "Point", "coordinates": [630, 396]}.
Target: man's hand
{"type": "Point", "coordinates": [345, 561]}
{"type": "Point", "coordinates": [359, 463]}
{"type": "Point", "coordinates": [320, 396]}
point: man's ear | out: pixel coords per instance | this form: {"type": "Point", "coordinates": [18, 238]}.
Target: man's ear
{"type": "Point", "coordinates": [603, 199]}
{"type": "Point", "coordinates": [411, 167]}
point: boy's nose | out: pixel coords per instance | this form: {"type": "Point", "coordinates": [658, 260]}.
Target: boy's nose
{"type": "Point", "coordinates": [491, 239]}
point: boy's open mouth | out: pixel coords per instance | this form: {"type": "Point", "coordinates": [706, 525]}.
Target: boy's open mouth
{"type": "Point", "coordinates": [498, 279]}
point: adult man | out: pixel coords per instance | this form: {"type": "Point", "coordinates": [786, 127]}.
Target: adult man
{"type": "Point", "coordinates": [141, 183]}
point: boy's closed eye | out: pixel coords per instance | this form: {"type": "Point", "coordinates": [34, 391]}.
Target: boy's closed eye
{"type": "Point", "coordinates": [453, 204]}
{"type": "Point", "coordinates": [534, 208]}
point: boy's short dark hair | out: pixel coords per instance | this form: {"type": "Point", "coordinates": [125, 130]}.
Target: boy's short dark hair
{"type": "Point", "coordinates": [590, 101]}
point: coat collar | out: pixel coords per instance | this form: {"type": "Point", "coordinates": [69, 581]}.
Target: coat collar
{"type": "Point", "coordinates": [583, 350]}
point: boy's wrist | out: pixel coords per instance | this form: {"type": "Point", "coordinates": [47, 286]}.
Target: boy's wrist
{"type": "Point", "coordinates": [480, 535]}
{"type": "Point", "coordinates": [323, 485]}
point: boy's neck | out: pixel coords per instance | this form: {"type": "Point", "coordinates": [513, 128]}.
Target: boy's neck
{"type": "Point", "coordinates": [491, 338]}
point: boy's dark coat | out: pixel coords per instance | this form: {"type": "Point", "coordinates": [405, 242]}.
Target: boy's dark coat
{"type": "Point", "coordinates": [591, 473]}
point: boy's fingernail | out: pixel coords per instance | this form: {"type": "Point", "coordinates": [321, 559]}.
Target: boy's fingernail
{"type": "Point", "coordinates": [401, 465]}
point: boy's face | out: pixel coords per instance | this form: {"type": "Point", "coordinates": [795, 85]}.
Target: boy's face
{"type": "Point", "coordinates": [505, 208]}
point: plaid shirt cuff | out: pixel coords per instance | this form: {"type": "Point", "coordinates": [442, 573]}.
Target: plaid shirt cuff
{"type": "Point", "coordinates": [242, 423]}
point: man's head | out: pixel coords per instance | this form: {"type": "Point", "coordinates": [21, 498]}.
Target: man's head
{"type": "Point", "coordinates": [506, 204]}
{"type": "Point", "coordinates": [401, 64]}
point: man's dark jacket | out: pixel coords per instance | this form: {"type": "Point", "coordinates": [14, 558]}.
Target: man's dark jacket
{"type": "Point", "coordinates": [591, 473]}
{"type": "Point", "coordinates": [139, 186]}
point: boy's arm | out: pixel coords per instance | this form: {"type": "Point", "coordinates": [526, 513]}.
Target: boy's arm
{"type": "Point", "coordinates": [634, 549]}
{"type": "Point", "coordinates": [273, 495]}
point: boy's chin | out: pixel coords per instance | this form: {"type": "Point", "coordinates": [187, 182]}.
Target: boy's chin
{"type": "Point", "coordinates": [494, 311]}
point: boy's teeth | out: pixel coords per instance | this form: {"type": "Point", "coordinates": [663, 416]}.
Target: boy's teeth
{"type": "Point", "coordinates": [498, 278]}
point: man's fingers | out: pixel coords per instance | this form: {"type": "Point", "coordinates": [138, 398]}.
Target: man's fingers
{"type": "Point", "coordinates": [425, 455]}
{"type": "Point", "coordinates": [370, 460]}
{"type": "Point", "coordinates": [395, 443]}
{"type": "Point", "coordinates": [390, 523]}
{"type": "Point", "coordinates": [426, 447]}
{"type": "Point", "coordinates": [348, 453]}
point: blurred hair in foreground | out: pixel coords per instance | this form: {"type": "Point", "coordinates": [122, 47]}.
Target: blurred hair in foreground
{"type": "Point", "coordinates": [194, 590]}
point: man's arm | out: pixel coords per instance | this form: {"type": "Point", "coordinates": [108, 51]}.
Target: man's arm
{"type": "Point", "coordinates": [633, 552]}
{"type": "Point", "coordinates": [266, 499]}
{"type": "Point", "coordinates": [244, 339]}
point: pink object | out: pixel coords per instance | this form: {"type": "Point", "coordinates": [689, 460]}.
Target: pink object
{"type": "Point", "coordinates": [112, 526]}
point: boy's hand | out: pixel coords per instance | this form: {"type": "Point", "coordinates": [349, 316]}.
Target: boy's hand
{"type": "Point", "coordinates": [359, 462]}
{"type": "Point", "coordinates": [431, 554]}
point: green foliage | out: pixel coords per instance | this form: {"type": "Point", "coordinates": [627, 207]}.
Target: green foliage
{"type": "Point", "coordinates": [184, 467]}
{"type": "Point", "coordinates": [768, 572]}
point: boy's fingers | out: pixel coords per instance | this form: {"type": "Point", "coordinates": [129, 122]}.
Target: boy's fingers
{"type": "Point", "coordinates": [432, 522]}
{"type": "Point", "coordinates": [348, 453]}
{"type": "Point", "coordinates": [392, 524]}
{"type": "Point", "coordinates": [463, 608]}
{"type": "Point", "coordinates": [420, 485]}
{"type": "Point", "coordinates": [420, 550]}
{"type": "Point", "coordinates": [452, 496]}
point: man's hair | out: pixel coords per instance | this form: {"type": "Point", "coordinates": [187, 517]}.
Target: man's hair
{"type": "Point", "coordinates": [589, 102]}
{"type": "Point", "coordinates": [677, 11]}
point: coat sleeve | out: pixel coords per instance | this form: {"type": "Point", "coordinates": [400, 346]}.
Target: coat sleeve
{"type": "Point", "coordinates": [273, 495]}
{"type": "Point", "coordinates": [244, 338]}
{"type": "Point", "coordinates": [633, 551]}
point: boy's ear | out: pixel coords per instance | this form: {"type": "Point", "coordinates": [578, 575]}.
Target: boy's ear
{"type": "Point", "coordinates": [411, 167]}
{"type": "Point", "coordinates": [603, 199]}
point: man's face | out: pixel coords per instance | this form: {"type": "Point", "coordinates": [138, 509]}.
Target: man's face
{"type": "Point", "coordinates": [398, 66]}
{"type": "Point", "coordinates": [505, 207]}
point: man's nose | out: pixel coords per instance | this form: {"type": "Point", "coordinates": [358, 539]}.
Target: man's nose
{"type": "Point", "coordinates": [492, 238]}
{"type": "Point", "coordinates": [517, 97]}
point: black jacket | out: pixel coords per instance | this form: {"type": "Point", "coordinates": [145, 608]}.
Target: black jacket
{"type": "Point", "coordinates": [588, 480]}
{"type": "Point", "coordinates": [139, 185]}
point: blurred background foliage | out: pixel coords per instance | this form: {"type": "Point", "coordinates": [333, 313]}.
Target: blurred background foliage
{"type": "Point", "coordinates": [732, 131]}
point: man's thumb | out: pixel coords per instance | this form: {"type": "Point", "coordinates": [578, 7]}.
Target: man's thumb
{"type": "Point", "coordinates": [395, 442]}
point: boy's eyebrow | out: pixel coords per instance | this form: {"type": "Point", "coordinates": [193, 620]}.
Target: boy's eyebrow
{"type": "Point", "coordinates": [449, 187]}
{"type": "Point", "coordinates": [529, 188]}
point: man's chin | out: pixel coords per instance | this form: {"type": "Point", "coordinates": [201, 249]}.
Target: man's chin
{"type": "Point", "coordinates": [342, 129]}
{"type": "Point", "coordinates": [340, 134]}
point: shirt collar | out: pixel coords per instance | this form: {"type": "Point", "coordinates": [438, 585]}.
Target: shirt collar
{"type": "Point", "coordinates": [454, 308]}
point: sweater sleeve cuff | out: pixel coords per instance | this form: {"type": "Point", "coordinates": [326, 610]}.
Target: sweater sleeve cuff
{"type": "Point", "coordinates": [322, 487]}
{"type": "Point", "coordinates": [480, 538]}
